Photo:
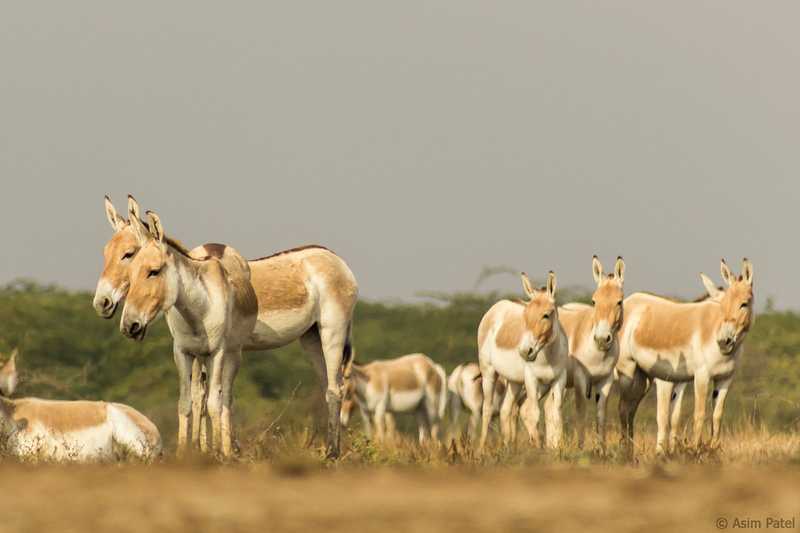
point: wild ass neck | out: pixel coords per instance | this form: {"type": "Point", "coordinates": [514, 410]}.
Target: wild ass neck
{"type": "Point", "coordinates": [199, 298]}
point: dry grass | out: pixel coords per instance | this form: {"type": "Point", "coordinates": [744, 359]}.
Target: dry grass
{"type": "Point", "coordinates": [280, 482]}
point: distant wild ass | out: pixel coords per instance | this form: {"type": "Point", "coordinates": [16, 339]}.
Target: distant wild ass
{"type": "Point", "coordinates": [466, 392]}
{"type": "Point", "coordinates": [408, 384]}
{"type": "Point", "coordinates": [80, 431]}
{"type": "Point", "coordinates": [524, 343]}
{"type": "Point", "coordinates": [674, 343]}
{"type": "Point", "coordinates": [592, 336]}
{"type": "Point", "coordinates": [306, 293]}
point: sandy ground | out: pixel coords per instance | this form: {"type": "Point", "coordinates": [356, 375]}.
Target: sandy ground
{"type": "Point", "coordinates": [167, 498]}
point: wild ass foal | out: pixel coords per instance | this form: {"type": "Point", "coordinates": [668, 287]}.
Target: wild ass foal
{"type": "Point", "coordinates": [592, 335]}
{"type": "Point", "coordinates": [674, 343]}
{"type": "Point", "coordinates": [306, 293]}
{"type": "Point", "coordinates": [408, 384]}
{"type": "Point", "coordinates": [71, 430]}
{"type": "Point", "coordinates": [525, 344]}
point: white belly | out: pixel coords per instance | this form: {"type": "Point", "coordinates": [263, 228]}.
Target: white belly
{"type": "Point", "coordinates": [279, 328]}
{"type": "Point", "coordinates": [85, 445]}
{"type": "Point", "coordinates": [508, 364]}
{"type": "Point", "coordinates": [405, 401]}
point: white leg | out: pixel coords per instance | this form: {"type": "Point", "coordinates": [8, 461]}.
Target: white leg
{"type": "Point", "coordinates": [379, 418]}
{"type": "Point", "coordinates": [553, 419]}
{"type": "Point", "coordinates": [199, 415]}
{"type": "Point", "coordinates": [663, 400]}
{"type": "Point", "coordinates": [718, 396]}
{"type": "Point", "coordinates": [232, 361]}
{"type": "Point", "coordinates": [510, 398]}
{"type": "Point", "coordinates": [580, 384]}
{"type": "Point", "coordinates": [333, 343]}
{"type": "Point", "coordinates": [183, 362]}
{"type": "Point", "coordinates": [530, 410]}
{"type": "Point", "coordinates": [215, 365]}
{"type": "Point", "coordinates": [422, 424]}
{"type": "Point", "coordinates": [675, 413]}
{"type": "Point", "coordinates": [701, 381]}
{"type": "Point", "coordinates": [487, 384]}
{"type": "Point", "coordinates": [602, 394]}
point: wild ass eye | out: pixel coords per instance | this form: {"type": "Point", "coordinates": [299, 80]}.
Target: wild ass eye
{"type": "Point", "coordinates": [546, 316]}
{"type": "Point", "coordinates": [593, 302]}
{"type": "Point", "coordinates": [745, 305]}
{"type": "Point", "coordinates": [619, 303]}
{"type": "Point", "coordinates": [127, 255]}
{"type": "Point", "coordinates": [154, 273]}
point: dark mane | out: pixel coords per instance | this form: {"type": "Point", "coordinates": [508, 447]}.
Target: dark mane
{"type": "Point", "coordinates": [176, 245]}
{"type": "Point", "coordinates": [292, 250]}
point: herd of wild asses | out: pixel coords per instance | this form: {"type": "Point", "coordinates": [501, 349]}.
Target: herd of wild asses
{"type": "Point", "coordinates": [217, 304]}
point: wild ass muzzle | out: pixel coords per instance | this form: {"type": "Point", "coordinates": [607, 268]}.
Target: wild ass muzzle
{"type": "Point", "coordinates": [306, 294]}
{"type": "Point", "coordinates": [409, 384]}
{"type": "Point", "coordinates": [466, 392]}
{"type": "Point", "coordinates": [524, 343]}
{"type": "Point", "coordinates": [75, 431]}
{"type": "Point", "coordinates": [593, 346]}
{"type": "Point", "coordinates": [674, 343]}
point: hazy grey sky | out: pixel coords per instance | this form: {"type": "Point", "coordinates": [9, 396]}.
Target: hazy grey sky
{"type": "Point", "coordinates": [419, 140]}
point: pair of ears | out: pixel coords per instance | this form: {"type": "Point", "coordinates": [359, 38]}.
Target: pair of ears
{"type": "Point", "coordinates": [8, 375]}
{"type": "Point", "coordinates": [728, 277]}
{"type": "Point", "coordinates": [530, 289]}
{"type": "Point", "coordinates": [619, 270]}
{"type": "Point", "coordinates": [143, 233]}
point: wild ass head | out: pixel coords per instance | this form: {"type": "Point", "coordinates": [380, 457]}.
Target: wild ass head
{"type": "Point", "coordinates": [117, 256]}
{"type": "Point", "coordinates": [8, 375]}
{"type": "Point", "coordinates": [607, 303]}
{"type": "Point", "coordinates": [153, 278]}
{"type": "Point", "coordinates": [540, 317]}
{"type": "Point", "coordinates": [736, 305]}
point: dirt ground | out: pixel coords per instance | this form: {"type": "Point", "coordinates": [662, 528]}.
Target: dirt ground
{"type": "Point", "coordinates": [259, 497]}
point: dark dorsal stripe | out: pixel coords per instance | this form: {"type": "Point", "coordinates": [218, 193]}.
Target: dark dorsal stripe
{"type": "Point", "coordinates": [293, 250]}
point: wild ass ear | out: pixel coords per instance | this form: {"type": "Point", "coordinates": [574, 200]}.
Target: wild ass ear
{"type": "Point", "coordinates": [156, 229]}
{"type": "Point", "coordinates": [747, 271]}
{"type": "Point", "coordinates": [710, 286]}
{"type": "Point", "coordinates": [527, 286]}
{"type": "Point", "coordinates": [116, 221]}
{"type": "Point", "coordinates": [597, 270]}
{"type": "Point", "coordinates": [139, 229]}
{"type": "Point", "coordinates": [619, 270]}
{"type": "Point", "coordinates": [551, 284]}
{"type": "Point", "coordinates": [727, 275]}
{"type": "Point", "coordinates": [133, 207]}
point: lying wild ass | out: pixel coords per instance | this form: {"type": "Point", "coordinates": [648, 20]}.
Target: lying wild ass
{"type": "Point", "coordinates": [464, 386]}
{"type": "Point", "coordinates": [408, 384]}
{"type": "Point", "coordinates": [80, 431]}
{"type": "Point", "coordinates": [306, 293]}
{"type": "Point", "coordinates": [674, 343]}
{"type": "Point", "coordinates": [592, 336]}
{"type": "Point", "coordinates": [524, 343]}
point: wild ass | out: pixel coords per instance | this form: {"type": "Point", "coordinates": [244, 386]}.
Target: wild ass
{"type": "Point", "coordinates": [592, 336]}
{"type": "Point", "coordinates": [464, 386]}
{"type": "Point", "coordinates": [674, 343]}
{"type": "Point", "coordinates": [81, 431]}
{"type": "Point", "coordinates": [210, 309]}
{"type": "Point", "coordinates": [306, 293]}
{"type": "Point", "coordinates": [408, 384]}
{"type": "Point", "coordinates": [524, 343]}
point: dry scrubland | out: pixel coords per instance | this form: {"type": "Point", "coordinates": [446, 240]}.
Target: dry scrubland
{"type": "Point", "coordinates": [280, 482]}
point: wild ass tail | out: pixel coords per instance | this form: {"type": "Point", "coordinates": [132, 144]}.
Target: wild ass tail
{"type": "Point", "coordinates": [444, 390]}
{"type": "Point", "coordinates": [347, 353]}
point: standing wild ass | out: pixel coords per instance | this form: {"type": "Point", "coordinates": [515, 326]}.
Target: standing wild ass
{"type": "Point", "coordinates": [71, 430]}
{"type": "Point", "coordinates": [525, 344]}
{"type": "Point", "coordinates": [408, 384]}
{"type": "Point", "coordinates": [674, 343]}
{"type": "Point", "coordinates": [306, 293]}
{"type": "Point", "coordinates": [464, 386]}
{"type": "Point", "coordinates": [592, 335]}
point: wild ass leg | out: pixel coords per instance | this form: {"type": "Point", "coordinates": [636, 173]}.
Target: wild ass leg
{"type": "Point", "coordinates": [423, 424]}
{"type": "Point", "coordinates": [487, 384]}
{"type": "Point", "coordinates": [602, 394]}
{"type": "Point", "coordinates": [199, 413]}
{"type": "Point", "coordinates": [553, 420]}
{"type": "Point", "coordinates": [514, 422]}
{"type": "Point", "coordinates": [312, 345]}
{"type": "Point", "coordinates": [215, 365]}
{"type": "Point", "coordinates": [455, 414]}
{"type": "Point", "coordinates": [663, 399]}
{"type": "Point", "coordinates": [183, 362]}
{"type": "Point", "coordinates": [675, 413]}
{"type": "Point", "coordinates": [365, 420]}
{"type": "Point", "coordinates": [580, 384]}
{"type": "Point", "coordinates": [701, 380]}
{"type": "Point", "coordinates": [333, 345]}
{"type": "Point", "coordinates": [718, 401]}
{"type": "Point", "coordinates": [506, 415]}
{"type": "Point", "coordinates": [530, 410]}
{"type": "Point", "coordinates": [230, 367]}
{"type": "Point", "coordinates": [379, 419]}
{"type": "Point", "coordinates": [631, 392]}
